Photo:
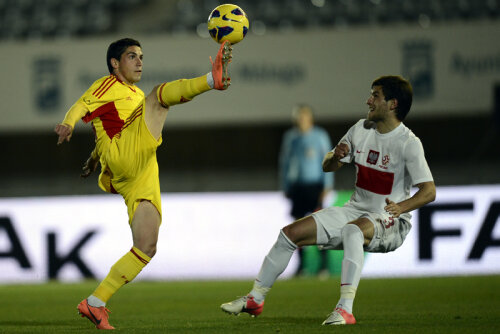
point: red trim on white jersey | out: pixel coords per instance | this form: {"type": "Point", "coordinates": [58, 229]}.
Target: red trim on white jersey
{"type": "Point", "coordinates": [373, 180]}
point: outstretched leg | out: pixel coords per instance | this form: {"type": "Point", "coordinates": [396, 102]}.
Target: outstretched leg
{"type": "Point", "coordinates": [299, 233]}
{"type": "Point", "coordinates": [165, 95]}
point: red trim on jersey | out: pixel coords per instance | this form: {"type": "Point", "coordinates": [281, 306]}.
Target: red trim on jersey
{"type": "Point", "coordinates": [98, 112]}
{"type": "Point", "coordinates": [137, 113]}
{"type": "Point", "coordinates": [138, 256]}
{"type": "Point", "coordinates": [132, 89]}
{"type": "Point", "coordinates": [161, 99]}
{"type": "Point", "coordinates": [373, 180]}
{"type": "Point", "coordinates": [103, 86]}
{"type": "Point", "coordinates": [103, 83]}
{"type": "Point", "coordinates": [134, 114]}
{"type": "Point", "coordinates": [106, 88]}
{"type": "Point", "coordinates": [111, 121]}
{"type": "Point", "coordinates": [123, 83]}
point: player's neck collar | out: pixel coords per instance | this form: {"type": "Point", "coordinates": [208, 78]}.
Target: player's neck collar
{"type": "Point", "coordinates": [392, 132]}
{"type": "Point", "coordinates": [132, 87]}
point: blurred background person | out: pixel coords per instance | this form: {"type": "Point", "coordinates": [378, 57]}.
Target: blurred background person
{"type": "Point", "coordinates": [301, 174]}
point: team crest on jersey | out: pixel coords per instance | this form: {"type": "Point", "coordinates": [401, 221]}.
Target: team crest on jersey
{"type": "Point", "coordinates": [372, 157]}
{"type": "Point", "coordinates": [385, 160]}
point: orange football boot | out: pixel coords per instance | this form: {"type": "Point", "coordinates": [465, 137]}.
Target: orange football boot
{"type": "Point", "coordinates": [98, 315]}
{"type": "Point", "coordinates": [220, 66]}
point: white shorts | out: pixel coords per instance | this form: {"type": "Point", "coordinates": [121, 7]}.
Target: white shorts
{"type": "Point", "coordinates": [389, 232]}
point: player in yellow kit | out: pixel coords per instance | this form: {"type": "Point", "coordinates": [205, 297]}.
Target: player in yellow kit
{"type": "Point", "coordinates": [128, 127]}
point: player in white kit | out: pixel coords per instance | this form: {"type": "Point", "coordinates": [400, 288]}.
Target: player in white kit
{"type": "Point", "coordinates": [389, 160]}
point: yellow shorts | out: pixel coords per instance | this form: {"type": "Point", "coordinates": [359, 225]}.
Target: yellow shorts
{"type": "Point", "coordinates": [129, 166]}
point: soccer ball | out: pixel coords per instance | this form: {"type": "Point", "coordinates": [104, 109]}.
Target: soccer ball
{"type": "Point", "coordinates": [228, 23]}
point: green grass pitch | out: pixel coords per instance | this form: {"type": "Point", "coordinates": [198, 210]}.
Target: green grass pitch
{"type": "Point", "coordinates": [420, 305]}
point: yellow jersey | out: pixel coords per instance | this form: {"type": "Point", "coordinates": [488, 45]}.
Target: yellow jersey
{"type": "Point", "coordinates": [126, 148]}
{"type": "Point", "coordinates": [109, 103]}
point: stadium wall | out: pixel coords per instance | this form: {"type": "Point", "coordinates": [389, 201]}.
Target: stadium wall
{"type": "Point", "coordinates": [208, 236]}
{"type": "Point", "coordinates": [237, 134]}
{"type": "Point", "coordinates": [453, 69]}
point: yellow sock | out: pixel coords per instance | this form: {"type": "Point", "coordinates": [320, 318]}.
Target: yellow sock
{"type": "Point", "coordinates": [122, 272]}
{"type": "Point", "coordinates": [182, 90]}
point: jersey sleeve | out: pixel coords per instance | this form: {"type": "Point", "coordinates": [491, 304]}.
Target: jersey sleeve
{"type": "Point", "coordinates": [415, 162]}
{"type": "Point", "coordinates": [76, 112]}
{"type": "Point", "coordinates": [98, 95]}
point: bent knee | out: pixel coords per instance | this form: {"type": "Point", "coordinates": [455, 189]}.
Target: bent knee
{"type": "Point", "coordinates": [151, 251]}
{"type": "Point", "coordinates": [351, 229]}
{"type": "Point", "coordinates": [364, 225]}
{"type": "Point", "coordinates": [300, 234]}
{"type": "Point", "coordinates": [290, 233]}
{"type": "Point", "coordinates": [148, 249]}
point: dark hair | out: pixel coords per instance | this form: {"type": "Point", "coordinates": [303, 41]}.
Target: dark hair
{"type": "Point", "coordinates": [117, 48]}
{"type": "Point", "coordinates": [396, 87]}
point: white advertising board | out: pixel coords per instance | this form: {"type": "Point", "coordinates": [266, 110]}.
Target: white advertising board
{"type": "Point", "coordinates": [458, 234]}
{"type": "Point", "coordinates": [227, 235]}
{"type": "Point", "coordinates": [203, 236]}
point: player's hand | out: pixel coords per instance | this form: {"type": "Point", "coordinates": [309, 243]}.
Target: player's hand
{"type": "Point", "coordinates": [393, 208]}
{"type": "Point", "coordinates": [341, 151]}
{"type": "Point", "coordinates": [64, 131]}
{"type": "Point", "coordinates": [89, 166]}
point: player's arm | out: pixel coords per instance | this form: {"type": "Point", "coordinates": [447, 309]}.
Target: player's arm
{"type": "Point", "coordinates": [426, 193]}
{"type": "Point", "coordinates": [418, 169]}
{"type": "Point", "coordinates": [64, 130]}
{"type": "Point", "coordinates": [331, 161]}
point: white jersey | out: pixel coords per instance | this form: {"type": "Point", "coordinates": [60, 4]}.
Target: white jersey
{"type": "Point", "coordinates": [387, 166]}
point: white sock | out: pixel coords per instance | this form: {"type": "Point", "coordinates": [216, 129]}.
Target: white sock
{"type": "Point", "coordinates": [210, 80]}
{"type": "Point", "coordinates": [274, 264]}
{"type": "Point", "coordinates": [346, 301]}
{"type": "Point", "coordinates": [259, 292]}
{"type": "Point", "coordinates": [94, 301]}
{"type": "Point", "coordinates": [353, 240]}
